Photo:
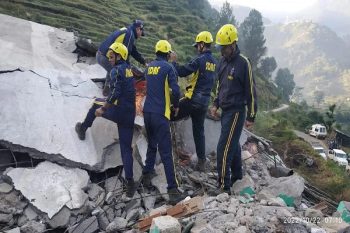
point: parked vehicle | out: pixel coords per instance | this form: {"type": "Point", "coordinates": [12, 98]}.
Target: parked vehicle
{"type": "Point", "coordinates": [318, 131]}
{"type": "Point", "coordinates": [338, 156]}
{"type": "Point", "coordinates": [320, 151]}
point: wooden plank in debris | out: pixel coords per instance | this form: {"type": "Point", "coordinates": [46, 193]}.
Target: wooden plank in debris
{"type": "Point", "coordinates": [180, 210]}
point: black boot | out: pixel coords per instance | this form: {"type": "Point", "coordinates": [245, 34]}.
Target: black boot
{"type": "Point", "coordinates": [130, 187]}
{"type": "Point", "coordinates": [80, 129]}
{"type": "Point", "coordinates": [201, 165]}
{"type": "Point", "coordinates": [175, 196]}
{"type": "Point", "coordinates": [147, 179]}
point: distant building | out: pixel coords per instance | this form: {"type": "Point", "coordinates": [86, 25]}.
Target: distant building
{"type": "Point", "coordinates": [342, 138]}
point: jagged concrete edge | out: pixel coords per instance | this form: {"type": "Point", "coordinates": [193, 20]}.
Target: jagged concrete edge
{"type": "Point", "coordinates": [56, 158]}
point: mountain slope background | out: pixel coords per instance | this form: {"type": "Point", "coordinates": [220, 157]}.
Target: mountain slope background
{"type": "Point", "coordinates": [178, 21]}
{"type": "Point", "coordinates": [318, 57]}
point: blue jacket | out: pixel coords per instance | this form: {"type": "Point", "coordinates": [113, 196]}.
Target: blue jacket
{"type": "Point", "coordinates": [127, 36]}
{"type": "Point", "coordinates": [236, 85]}
{"type": "Point", "coordinates": [160, 77]}
{"type": "Point", "coordinates": [203, 73]}
{"type": "Point", "coordinates": [122, 87]}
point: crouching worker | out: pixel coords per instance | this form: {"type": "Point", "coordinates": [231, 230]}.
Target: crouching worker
{"type": "Point", "coordinates": [118, 107]}
{"type": "Point", "coordinates": [161, 77]}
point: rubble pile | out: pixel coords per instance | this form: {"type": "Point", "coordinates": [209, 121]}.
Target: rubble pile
{"type": "Point", "coordinates": [258, 203]}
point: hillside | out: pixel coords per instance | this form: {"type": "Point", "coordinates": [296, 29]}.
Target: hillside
{"type": "Point", "coordinates": [315, 54]}
{"type": "Point", "coordinates": [177, 20]}
{"type": "Point", "coordinates": [334, 14]}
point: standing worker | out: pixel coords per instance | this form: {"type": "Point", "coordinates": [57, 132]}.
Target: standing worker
{"type": "Point", "coordinates": [126, 36]}
{"type": "Point", "coordinates": [197, 96]}
{"type": "Point", "coordinates": [160, 77]}
{"type": "Point", "coordinates": [119, 107]}
{"type": "Point", "coordinates": [236, 92]}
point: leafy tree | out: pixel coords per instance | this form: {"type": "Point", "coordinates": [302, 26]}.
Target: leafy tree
{"type": "Point", "coordinates": [225, 16]}
{"type": "Point", "coordinates": [251, 37]}
{"type": "Point", "coordinates": [267, 66]}
{"type": "Point", "coordinates": [285, 82]}
{"type": "Point", "coordinates": [329, 119]}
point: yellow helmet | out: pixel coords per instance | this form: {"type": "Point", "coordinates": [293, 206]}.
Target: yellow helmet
{"type": "Point", "coordinates": [163, 46]}
{"type": "Point", "coordinates": [205, 37]}
{"type": "Point", "coordinates": [226, 35]}
{"type": "Point", "coordinates": [120, 49]}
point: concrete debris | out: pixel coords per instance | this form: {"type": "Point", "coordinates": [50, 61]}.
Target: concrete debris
{"type": "Point", "coordinates": [30, 212]}
{"type": "Point", "coordinates": [55, 186]}
{"type": "Point", "coordinates": [61, 219]}
{"type": "Point", "coordinates": [118, 224]}
{"type": "Point", "coordinates": [245, 182]}
{"type": "Point", "coordinates": [113, 184]}
{"type": "Point", "coordinates": [166, 224]}
{"type": "Point", "coordinates": [14, 230]}
{"type": "Point", "coordinates": [5, 218]}
{"type": "Point", "coordinates": [5, 188]}
{"type": "Point", "coordinates": [89, 225]}
{"type": "Point", "coordinates": [292, 186]}
{"type": "Point", "coordinates": [33, 227]}
{"type": "Point", "coordinates": [96, 193]}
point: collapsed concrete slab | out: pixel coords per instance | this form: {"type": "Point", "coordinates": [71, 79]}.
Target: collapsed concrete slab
{"type": "Point", "coordinates": [46, 130]}
{"type": "Point", "coordinates": [212, 131]}
{"type": "Point", "coordinates": [49, 187]}
{"type": "Point", "coordinates": [44, 92]}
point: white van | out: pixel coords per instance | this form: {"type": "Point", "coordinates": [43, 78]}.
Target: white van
{"type": "Point", "coordinates": [338, 156]}
{"type": "Point", "coordinates": [318, 131]}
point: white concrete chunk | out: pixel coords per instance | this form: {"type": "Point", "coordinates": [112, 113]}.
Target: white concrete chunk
{"type": "Point", "coordinates": [49, 187]}
{"type": "Point", "coordinates": [166, 224]}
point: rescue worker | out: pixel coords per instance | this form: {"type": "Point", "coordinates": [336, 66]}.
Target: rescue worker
{"type": "Point", "coordinates": [160, 77]}
{"type": "Point", "coordinates": [236, 92]}
{"type": "Point", "coordinates": [197, 96]}
{"type": "Point", "coordinates": [118, 107]}
{"type": "Point", "coordinates": [127, 36]}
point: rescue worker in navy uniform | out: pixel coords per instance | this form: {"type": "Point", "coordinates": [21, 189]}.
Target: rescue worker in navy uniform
{"type": "Point", "coordinates": [236, 92]}
{"type": "Point", "coordinates": [127, 36]}
{"type": "Point", "coordinates": [119, 107]}
{"type": "Point", "coordinates": [160, 77]}
{"type": "Point", "coordinates": [197, 96]}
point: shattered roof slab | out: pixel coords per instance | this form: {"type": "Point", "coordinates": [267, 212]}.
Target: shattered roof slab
{"type": "Point", "coordinates": [44, 92]}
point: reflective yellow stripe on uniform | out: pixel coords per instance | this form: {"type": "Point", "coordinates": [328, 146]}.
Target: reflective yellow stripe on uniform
{"type": "Point", "coordinates": [192, 85]}
{"type": "Point", "coordinates": [167, 98]}
{"type": "Point", "coordinates": [252, 111]}
{"type": "Point", "coordinates": [99, 102]}
{"type": "Point", "coordinates": [223, 168]}
{"type": "Point", "coordinates": [119, 39]}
